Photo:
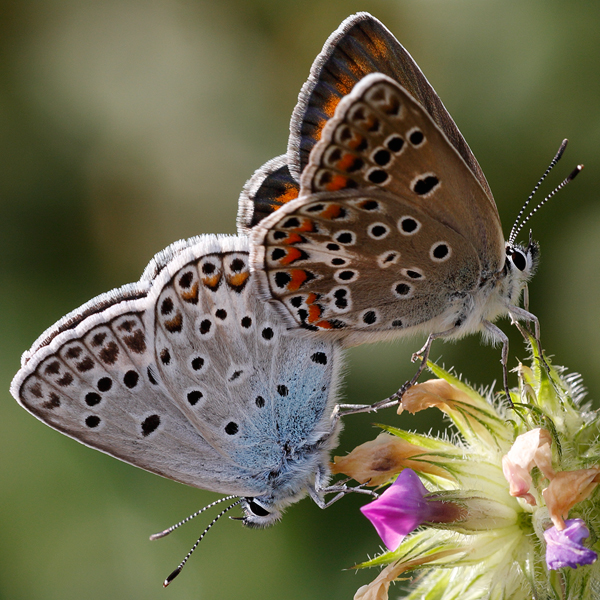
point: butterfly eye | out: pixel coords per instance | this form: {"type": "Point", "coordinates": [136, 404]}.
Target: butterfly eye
{"type": "Point", "coordinates": [519, 260]}
{"type": "Point", "coordinates": [257, 509]}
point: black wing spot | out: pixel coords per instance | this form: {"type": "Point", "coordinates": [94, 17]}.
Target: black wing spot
{"type": "Point", "coordinates": [186, 280]}
{"type": "Point", "coordinates": [205, 326]}
{"type": "Point", "coordinates": [208, 268]}
{"type": "Point", "coordinates": [416, 138]}
{"type": "Point", "coordinates": [53, 403]}
{"type": "Point", "coordinates": [346, 237]}
{"type": "Point", "coordinates": [73, 352]}
{"type": "Point", "coordinates": [440, 251]}
{"type": "Point", "coordinates": [260, 401]}
{"type": "Point", "coordinates": [382, 157]}
{"type": "Point", "coordinates": [282, 390]}
{"type": "Point", "coordinates": [408, 225]}
{"type": "Point", "coordinates": [377, 176]}
{"type": "Point", "coordinates": [369, 317]}
{"type": "Point", "coordinates": [347, 275]}
{"type": "Point", "coordinates": [92, 398]}
{"type": "Point", "coordinates": [235, 375]}
{"type": "Point", "coordinates": [65, 380]}
{"type": "Point", "coordinates": [165, 356]}
{"type": "Point", "coordinates": [221, 313]}
{"type": "Point", "coordinates": [319, 357]}
{"type": "Point", "coordinates": [109, 353]}
{"type": "Point", "coordinates": [53, 368]}
{"type": "Point", "coordinates": [395, 143]}
{"type": "Point", "coordinates": [282, 279]}
{"type": "Point", "coordinates": [150, 424]}
{"type": "Point", "coordinates": [92, 421]}
{"type": "Point", "coordinates": [378, 230]}
{"type": "Point", "coordinates": [85, 365]}
{"type": "Point", "coordinates": [231, 428]}
{"type": "Point", "coordinates": [194, 396]}
{"type": "Point", "coordinates": [267, 333]}
{"type": "Point", "coordinates": [237, 264]}
{"type": "Point", "coordinates": [403, 289]}
{"type": "Point", "coordinates": [291, 222]}
{"type": "Point", "coordinates": [166, 307]}
{"type": "Point", "coordinates": [425, 185]}
{"type": "Point", "coordinates": [246, 322]}
{"type": "Point", "coordinates": [130, 379]}
{"type": "Point", "coordinates": [197, 363]}
{"type": "Point", "coordinates": [104, 384]}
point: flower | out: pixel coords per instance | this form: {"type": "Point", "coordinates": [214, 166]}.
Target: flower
{"type": "Point", "coordinates": [377, 461]}
{"type": "Point", "coordinates": [480, 513]}
{"type": "Point", "coordinates": [564, 548]}
{"type": "Point", "coordinates": [530, 449]}
{"type": "Point", "coordinates": [567, 489]}
{"type": "Point", "coordinates": [404, 506]}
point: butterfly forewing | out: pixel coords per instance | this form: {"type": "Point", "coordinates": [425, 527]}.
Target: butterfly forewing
{"type": "Point", "coordinates": [362, 45]}
{"type": "Point", "coordinates": [88, 385]}
{"type": "Point", "coordinates": [380, 136]}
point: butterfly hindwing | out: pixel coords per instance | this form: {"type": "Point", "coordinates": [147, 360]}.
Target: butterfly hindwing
{"type": "Point", "coordinates": [354, 263]}
{"type": "Point", "coordinates": [268, 189]}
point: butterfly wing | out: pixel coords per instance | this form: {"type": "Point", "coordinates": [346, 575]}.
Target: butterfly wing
{"type": "Point", "coordinates": [387, 210]}
{"type": "Point", "coordinates": [234, 370]}
{"type": "Point", "coordinates": [360, 46]}
{"type": "Point", "coordinates": [103, 376]}
{"type": "Point", "coordinates": [268, 189]}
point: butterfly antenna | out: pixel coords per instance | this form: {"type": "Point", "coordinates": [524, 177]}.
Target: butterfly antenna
{"type": "Point", "coordinates": [514, 231]}
{"type": "Point", "coordinates": [162, 534]}
{"type": "Point", "coordinates": [176, 572]}
{"type": "Point", "coordinates": [559, 187]}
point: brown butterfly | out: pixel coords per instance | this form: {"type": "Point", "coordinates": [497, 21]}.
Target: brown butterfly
{"type": "Point", "coordinates": [378, 222]}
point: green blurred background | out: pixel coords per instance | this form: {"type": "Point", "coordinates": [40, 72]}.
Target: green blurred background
{"type": "Point", "coordinates": [125, 125]}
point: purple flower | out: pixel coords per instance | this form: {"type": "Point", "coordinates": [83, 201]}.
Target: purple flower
{"type": "Point", "coordinates": [403, 507]}
{"type": "Point", "coordinates": [564, 548]}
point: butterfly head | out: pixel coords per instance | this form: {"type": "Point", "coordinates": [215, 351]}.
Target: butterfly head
{"type": "Point", "coordinates": [259, 513]}
{"type": "Point", "coordinates": [521, 263]}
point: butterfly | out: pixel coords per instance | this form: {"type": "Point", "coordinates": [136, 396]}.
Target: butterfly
{"type": "Point", "coordinates": [190, 375]}
{"type": "Point", "coordinates": [378, 222]}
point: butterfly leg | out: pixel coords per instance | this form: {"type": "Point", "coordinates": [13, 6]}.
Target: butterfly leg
{"type": "Point", "coordinates": [396, 397]}
{"type": "Point", "coordinates": [520, 314]}
{"type": "Point", "coordinates": [499, 336]}
{"type": "Point", "coordinates": [340, 489]}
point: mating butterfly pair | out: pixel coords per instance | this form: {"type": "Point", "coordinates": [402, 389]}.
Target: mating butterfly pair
{"type": "Point", "coordinates": [378, 222]}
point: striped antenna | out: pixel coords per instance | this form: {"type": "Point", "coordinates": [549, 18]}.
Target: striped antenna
{"type": "Point", "coordinates": [559, 187]}
{"type": "Point", "coordinates": [176, 572]}
{"type": "Point", "coordinates": [514, 231]}
{"type": "Point", "coordinates": [162, 534]}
